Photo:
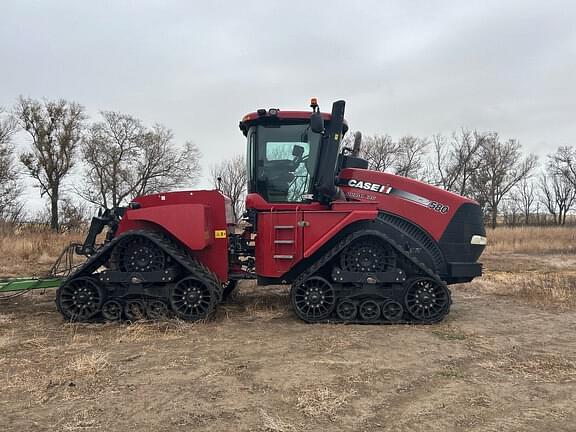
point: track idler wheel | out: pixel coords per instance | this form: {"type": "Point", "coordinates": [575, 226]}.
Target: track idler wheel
{"type": "Point", "coordinates": [193, 299]}
{"type": "Point", "coordinates": [427, 300]}
{"type": "Point", "coordinates": [346, 310]}
{"type": "Point", "coordinates": [112, 310]}
{"type": "Point", "coordinates": [314, 300]}
{"type": "Point", "coordinates": [369, 310]}
{"type": "Point", "coordinates": [80, 299]}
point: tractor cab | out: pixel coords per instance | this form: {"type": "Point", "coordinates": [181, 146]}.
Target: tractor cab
{"type": "Point", "coordinates": [289, 154]}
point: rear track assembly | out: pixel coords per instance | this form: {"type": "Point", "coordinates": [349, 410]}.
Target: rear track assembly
{"type": "Point", "coordinates": [148, 275]}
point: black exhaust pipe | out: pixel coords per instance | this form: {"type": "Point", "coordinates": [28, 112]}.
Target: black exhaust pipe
{"type": "Point", "coordinates": [357, 144]}
{"type": "Point", "coordinates": [328, 157]}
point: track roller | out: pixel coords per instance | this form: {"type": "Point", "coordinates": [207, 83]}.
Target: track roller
{"type": "Point", "coordinates": [112, 310]}
{"type": "Point", "coordinates": [369, 310]}
{"type": "Point", "coordinates": [135, 310]}
{"type": "Point", "coordinates": [156, 309]}
{"type": "Point", "coordinates": [392, 311]}
{"type": "Point", "coordinates": [346, 310]}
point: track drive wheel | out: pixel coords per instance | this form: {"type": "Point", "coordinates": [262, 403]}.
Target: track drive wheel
{"type": "Point", "coordinates": [193, 298]}
{"type": "Point", "coordinates": [427, 300]}
{"type": "Point", "coordinates": [80, 299]}
{"type": "Point", "coordinates": [314, 300]}
{"type": "Point", "coordinates": [367, 255]}
{"type": "Point", "coordinates": [136, 253]}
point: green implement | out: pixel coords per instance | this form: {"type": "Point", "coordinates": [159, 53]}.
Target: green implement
{"type": "Point", "coordinates": [11, 285]}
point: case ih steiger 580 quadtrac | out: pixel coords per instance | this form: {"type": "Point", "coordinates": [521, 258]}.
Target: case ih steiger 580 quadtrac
{"type": "Point", "coordinates": [355, 245]}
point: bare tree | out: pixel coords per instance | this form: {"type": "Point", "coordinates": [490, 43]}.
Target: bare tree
{"type": "Point", "coordinates": [55, 128]}
{"type": "Point", "coordinates": [411, 156]}
{"type": "Point", "coordinates": [502, 167]}
{"type": "Point", "coordinates": [163, 165]}
{"type": "Point", "coordinates": [230, 177]}
{"type": "Point", "coordinates": [74, 215]}
{"type": "Point", "coordinates": [524, 197]}
{"type": "Point", "coordinates": [457, 159]}
{"type": "Point", "coordinates": [124, 159]}
{"type": "Point", "coordinates": [407, 157]}
{"type": "Point", "coordinates": [557, 194]}
{"type": "Point", "coordinates": [10, 187]}
{"type": "Point", "coordinates": [510, 211]}
{"type": "Point", "coordinates": [380, 152]}
{"type": "Point", "coordinates": [563, 162]}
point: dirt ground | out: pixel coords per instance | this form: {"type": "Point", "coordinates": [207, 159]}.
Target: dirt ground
{"type": "Point", "coordinates": [498, 363]}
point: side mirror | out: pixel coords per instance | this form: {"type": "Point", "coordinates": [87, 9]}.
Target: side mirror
{"type": "Point", "coordinates": [297, 151]}
{"type": "Point", "coordinates": [316, 122]}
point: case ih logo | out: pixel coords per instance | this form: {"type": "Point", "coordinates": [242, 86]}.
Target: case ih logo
{"type": "Point", "coordinates": [389, 190]}
{"type": "Point", "coordinates": [374, 187]}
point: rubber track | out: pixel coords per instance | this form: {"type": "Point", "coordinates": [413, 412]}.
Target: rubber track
{"type": "Point", "coordinates": [332, 253]}
{"type": "Point", "coordinates": [169, 246]}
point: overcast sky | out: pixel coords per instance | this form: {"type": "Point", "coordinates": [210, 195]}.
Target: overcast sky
{"type": "Point", "coordinates": [410, 67]}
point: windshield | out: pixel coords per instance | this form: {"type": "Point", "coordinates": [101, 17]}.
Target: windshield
{"type": "Point", "coordinates": [284, 159]}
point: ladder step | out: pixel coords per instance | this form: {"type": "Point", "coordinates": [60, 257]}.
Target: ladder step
{"type": "Point", "coordinates": [283, 256]}
{"type": "Point", "coordinates": [283, 241]}
{"type": "Point", "coordinates": [278, 227]}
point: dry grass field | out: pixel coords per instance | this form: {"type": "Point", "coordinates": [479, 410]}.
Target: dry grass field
{"type": "Point", "coordinates": [504, 359]}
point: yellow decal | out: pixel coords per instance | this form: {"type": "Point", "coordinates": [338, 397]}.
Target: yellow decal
{"type": "Point", "coordinates": [220, 234]}
{"type": "Point", "coordinates": [336, 136]}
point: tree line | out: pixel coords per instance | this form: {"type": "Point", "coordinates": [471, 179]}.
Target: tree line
{"type": "Point", "coordinates": [511, 186]}
{"type": "Point", "coordinates": [116, 157]}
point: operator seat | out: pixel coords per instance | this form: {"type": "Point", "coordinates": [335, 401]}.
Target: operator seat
{"type": "Point", "coordinates": [277, 176]}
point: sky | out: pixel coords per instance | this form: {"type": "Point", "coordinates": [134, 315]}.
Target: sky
{"type": "Point", "coordinates": [417, 67]}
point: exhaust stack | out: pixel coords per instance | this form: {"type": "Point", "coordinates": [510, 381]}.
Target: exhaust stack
{"type": "Point", "coordinates": [357, 143]}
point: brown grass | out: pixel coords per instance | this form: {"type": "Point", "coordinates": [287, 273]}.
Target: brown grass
{"type": "Point", "coordinates": [322, 401]}
{"type": "Point", "coordinates": [545, 367]}
{"type": "Point", "coordinates": [80, 373]}
{"type": "Point", "coordinates": [89, 364]}
{"type": "Point", "coordinates": [274, 424]}
{"type": "Point", "coordinates": [31, 253]}
{"type": "Point", "coordinates": [532, 240]}
{"type": "Point", "coordinates": [546, 289]}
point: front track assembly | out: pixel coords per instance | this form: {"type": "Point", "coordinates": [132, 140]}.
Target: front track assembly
{"type": "Point", "coordinates": [368, 279]}
{"type": "Point", "coordinates": [148, 276]}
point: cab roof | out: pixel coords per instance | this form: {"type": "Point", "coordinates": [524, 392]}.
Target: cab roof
{"type": "Point", "coordinates": [275, 115]}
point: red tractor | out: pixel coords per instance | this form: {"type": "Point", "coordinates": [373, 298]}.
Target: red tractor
{"type": "Point", "coordinates": [355, 245]}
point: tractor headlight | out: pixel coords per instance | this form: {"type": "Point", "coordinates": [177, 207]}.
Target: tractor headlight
{"type": "Point", "coordinates": [478, 240]}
